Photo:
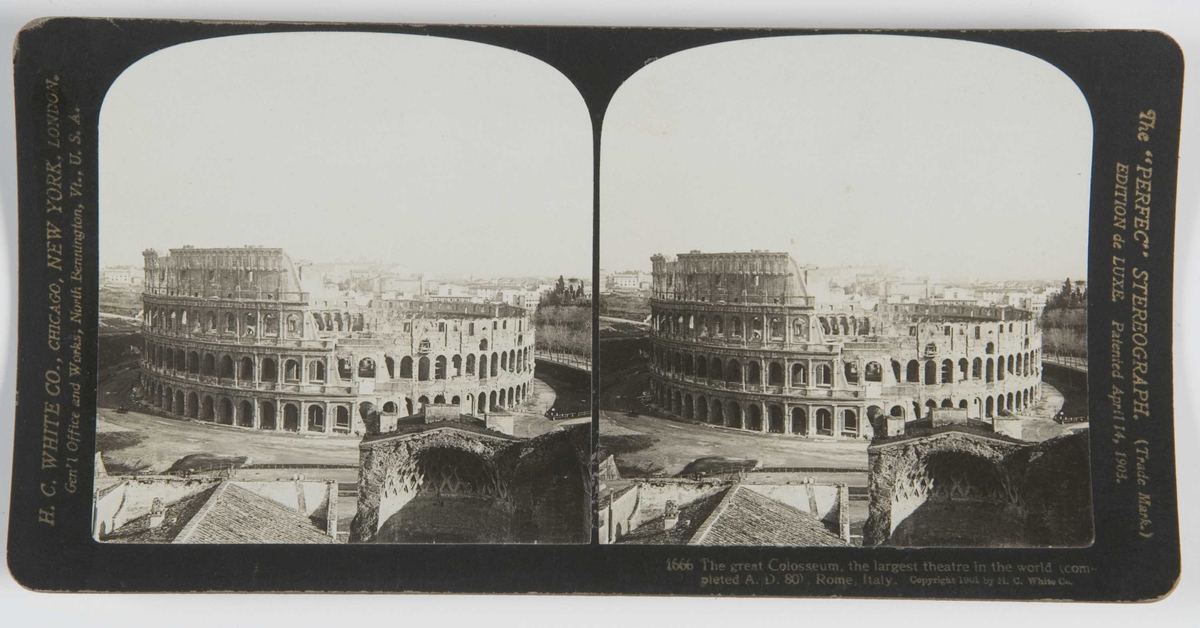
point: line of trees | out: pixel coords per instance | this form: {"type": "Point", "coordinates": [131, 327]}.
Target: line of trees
{"type": "Point", "coordinates": [1069, 297]}
{"type": "Point", "coordinates": [1064, 321]}
{"type": "Point", "coordinates": [564, 329]}
{"type": "Point", "coordinates": [566, 293]}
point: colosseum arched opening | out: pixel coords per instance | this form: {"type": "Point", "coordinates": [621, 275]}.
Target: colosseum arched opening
{"type": "Point", "coordinates": [447, 495]}
{"type": "Point", "coordinates": [956, 498]}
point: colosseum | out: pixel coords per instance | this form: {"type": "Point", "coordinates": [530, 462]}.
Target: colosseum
{"type": "Point", "coordinates": [231, 337]}
{"type": "Point", "coordinates": [738, 341]}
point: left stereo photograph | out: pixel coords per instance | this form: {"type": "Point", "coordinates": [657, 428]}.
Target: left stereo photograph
{"type": "Point", "coordinates": [345, 295]}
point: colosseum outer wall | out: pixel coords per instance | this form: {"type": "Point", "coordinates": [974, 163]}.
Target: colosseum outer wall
{"type": "Point", "coordinates": [230, 337]}
{"type": "Point", "coordinates": [738, 342]}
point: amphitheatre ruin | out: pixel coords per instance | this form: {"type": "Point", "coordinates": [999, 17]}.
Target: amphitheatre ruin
{"type": "Point", "coordinates": [230, 337]}
{"type": "Point", "coordinates": [738, 341]}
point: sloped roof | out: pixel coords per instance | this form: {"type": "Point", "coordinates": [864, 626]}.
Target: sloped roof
{"type": "Point", "coordinates": [691, 517]}
{"type": "Point", "coordinates": [225, 513]}
{"type": "Point", "coordinates": [745, 517]}
{"type": "Point", "coordinates": [236, 515]}
{"type": "Point", "coordinates": [176, 515]}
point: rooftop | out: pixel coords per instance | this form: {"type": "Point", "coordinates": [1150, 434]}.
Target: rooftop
{"type": "Point", "coordinates": [745, 517]}
{"type": "Point", "coordinates": [737, 516]}
{"type": "Point", "coordinates": [226, 514]}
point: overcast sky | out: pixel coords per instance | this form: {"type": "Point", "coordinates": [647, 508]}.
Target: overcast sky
{"type": "Point", "coordinates": [442, 155]}
{"type": "Point", "coordinates": [949, 158]}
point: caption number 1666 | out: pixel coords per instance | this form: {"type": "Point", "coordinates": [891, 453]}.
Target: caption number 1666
{"type": "Point", "coordinates": [679, 564]}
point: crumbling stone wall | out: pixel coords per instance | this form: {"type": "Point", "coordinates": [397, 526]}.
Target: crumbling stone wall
{"type": "Point", "coordinates": [133, 497]}
{"type": "Point", "coordinates": [1044, 485]}
{"type": "Point", "coordinates": [737, 342]}
{"type": "Point", "coordinates": [230, 338]}
{"type": "Point", "coordinates": [538, 490]}
{"type": "Point", "coordinates": [390, 476]}
{"type": "Point", "coordinates": [553, 487]}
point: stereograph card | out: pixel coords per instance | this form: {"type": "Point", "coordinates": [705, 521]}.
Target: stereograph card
{"type": "Point", "coordinates": [394, 308]}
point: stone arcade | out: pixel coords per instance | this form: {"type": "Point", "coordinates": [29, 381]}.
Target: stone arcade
{"type": "Point", "coordinates": [445, 477]}
{"type": "Point", "coordinates": [956, 484]}
{"type": "Point", "coordinates": [739, 342]}
{"type": "Point", "coordinates": [231, 338]}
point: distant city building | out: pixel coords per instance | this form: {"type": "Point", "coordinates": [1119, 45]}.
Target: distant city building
{"type": "Point", "coordinates": [127, 275]}
{"type": "Point", "coordinates": [629, 282]}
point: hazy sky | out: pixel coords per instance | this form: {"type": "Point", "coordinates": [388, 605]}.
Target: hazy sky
{"type": "Point", "coordinates": [949, 158]}
{"type": "Point", "coordinates": [442, 155]}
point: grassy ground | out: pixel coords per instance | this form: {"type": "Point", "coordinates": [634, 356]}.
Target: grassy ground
{"type": "Point", "coordinates": [565, 329]}
{"type": "Point", "coordinates": [629, 306]}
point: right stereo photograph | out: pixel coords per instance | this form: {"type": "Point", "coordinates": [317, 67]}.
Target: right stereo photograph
{"type": "Point", "coordinates": [843, 297]}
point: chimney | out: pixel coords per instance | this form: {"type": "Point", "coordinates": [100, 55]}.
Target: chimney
{"type": "Point", "coordinates": [843, 516]}
{"type": "Point", "coordinates": [157, 513]}
{"type": "Point", "coordinates": [670, 515]}
{"type": "Point", "coordinates": [331, 488]}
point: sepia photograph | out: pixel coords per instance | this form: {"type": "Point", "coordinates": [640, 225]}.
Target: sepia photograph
{"type": "Point", "coordinates": [843, 297]}
{"type": "Point", "coordinates": [714, 312]}
{"type": "Point", "coordinates": [345, 295]}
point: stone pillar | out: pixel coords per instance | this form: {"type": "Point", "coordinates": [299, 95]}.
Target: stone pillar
{"type": "Point", "coordinates": [328, 419]}
{"type": "Point", "coordinates": [255, 414]}
{"type": "Point", "coordinates": [302, 420]}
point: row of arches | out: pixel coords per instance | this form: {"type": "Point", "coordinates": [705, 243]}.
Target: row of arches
{"type": "Point", "coordinates": [734, 371]}
{"type": "Point", "coordinates": [223, 322]}
{"type": "Point", "coordinates": [775, 373]}
{"type": "Point", "coordinates": [259, 324]}
{"type": "Point", "coordinates": [263, 414]}
{"type": "Point", "coordinates": [947, 371]}
{"type": "Point", "coordinates": [817, 420]}
{"type": "Point", "coordinates": [754, 328]}
{"type": "Point", "coordinates": [755, 416]}
{"type": "Point", "coordinates": [472, 403]}
{"type": "Point", "coordinates": [292, 370]}
{"type": "Point", "coordinates": [310, 416]}
{"type": "Point", "coordinates": [423, 368]}
{"type": "Point", "coordinates": [339, 321]}
{"type": "Point", "coordinates": [990, 406]}
{"type": "Point", "coordinates": [243, 369]}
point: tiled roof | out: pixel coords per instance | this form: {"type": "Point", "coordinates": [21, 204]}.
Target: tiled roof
{"type": "Point", "coordinates": [236, 515]}
{"type": "Point", "coordinates": [175, 516]}
{"type": "Point", "coordinates": [745, 517]}
{"type": "Point", "coordinates": [691, 517]}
